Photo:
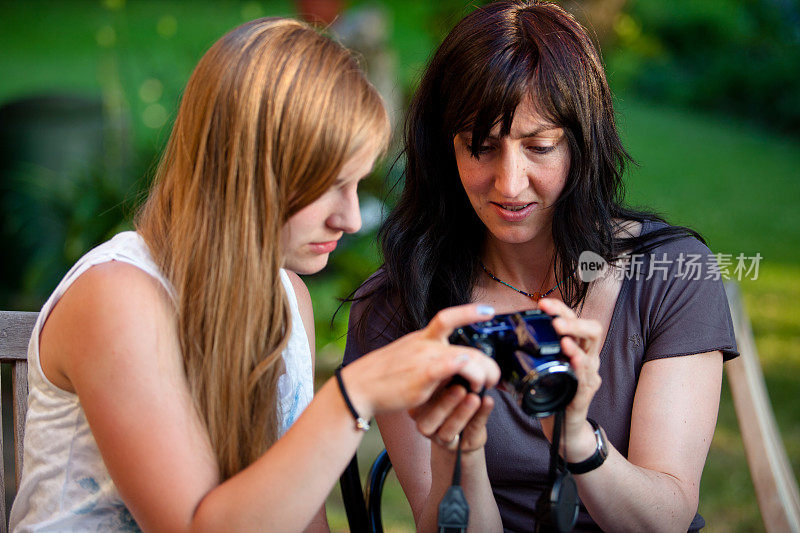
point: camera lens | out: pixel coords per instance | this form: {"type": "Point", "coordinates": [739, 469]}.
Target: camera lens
{"type": "Point", "coordinates": [550, 389]}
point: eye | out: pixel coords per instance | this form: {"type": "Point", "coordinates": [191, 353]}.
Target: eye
{"type": "Point", "coordinates": [482, 149]}
{"type": "Point", "coordinates": [485, 149]}
{"type": "Point", "coordinates": [542, 149]}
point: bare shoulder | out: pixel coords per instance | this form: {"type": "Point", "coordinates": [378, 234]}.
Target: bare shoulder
{"type": "Point", "coordinates": [305, 306]}
{"type": "Point", "coordinates": [113, 309]}
{"type": "Point", "coordinates": [300, 291]}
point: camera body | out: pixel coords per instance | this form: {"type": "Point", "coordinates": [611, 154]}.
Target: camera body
{"type": "Point", "coordinates": [528, 351]}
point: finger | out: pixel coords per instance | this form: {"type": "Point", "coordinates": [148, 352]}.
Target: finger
{"type": "Point", "coordinates": [474, 434]}
{"type": "Point", "coordinates": [586, 366]}
{"type": "Point", "coordinates": [452, 360]}
{"type": "Point", "coordinates": [552, 306]}
{"type": "Point", "coordinates": [480, 372]}
{"type": "Point", "coordinates": [478, 421]}
{"type": "Point", "coordinates": [571, 349]}
{"type": "Point", "coordinates": [447, 445]}
{"type": "Point", "coordinates": [449, 361]}
{"type": "Point", "coordinates": [446, 320]}
{"type": "Point", "coordinates": [430, 418]}
{"type": "Point", "coordinates": [459, 418]}
{"type": "Point", "coordinates": [588, 331]}
{"type": "Point", "coordinates": [420, 410]}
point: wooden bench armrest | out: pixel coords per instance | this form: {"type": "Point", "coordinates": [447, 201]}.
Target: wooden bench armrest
{"type": "Point", "coordinates": [773, 479]}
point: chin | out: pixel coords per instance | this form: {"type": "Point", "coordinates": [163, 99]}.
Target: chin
{"type": "Point", "coordinates": [513, 237]}
{"type": "Point", "coordinates": [307, 266]}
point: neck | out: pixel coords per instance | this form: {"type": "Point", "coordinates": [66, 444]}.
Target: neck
{"type": "Point", "coordinates": [527, 266]}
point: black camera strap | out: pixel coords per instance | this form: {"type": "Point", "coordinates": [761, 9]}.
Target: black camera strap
{"type": "Point", "coordinates": [453, 509]}
{"type": "Point", "coordinates": [557, 508]}
{"type": "Point", "coordinates": [556, 463]}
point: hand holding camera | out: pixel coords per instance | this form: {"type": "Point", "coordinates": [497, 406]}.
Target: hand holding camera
{"type": "Point", "coordinates": [549, 359]}
{"type": "Point", "coordinates": [527, 349]}
{"type": "Point", "coordinates": [405, 374]}
{"type": "Point", "coordinates": [581, 344]}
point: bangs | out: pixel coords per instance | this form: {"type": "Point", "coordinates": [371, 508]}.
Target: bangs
{"type": "Point", "coordinates": [508, 51]}
{"type": "Point", "coordinates": [488, 87]}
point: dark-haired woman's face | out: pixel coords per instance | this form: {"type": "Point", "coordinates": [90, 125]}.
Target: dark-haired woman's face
{"type": "Point", "coordinates": [515, 179]}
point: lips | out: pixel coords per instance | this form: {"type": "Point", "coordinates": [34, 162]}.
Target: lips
{"type": "Point", "coordinates": [515, 211]}
{"type": "Point", "coordinates": [514, 207]}
{"type": "Point", "coordinates": [323, 247]}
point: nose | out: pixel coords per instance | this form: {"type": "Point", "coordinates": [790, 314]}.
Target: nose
{"type": "Point", "coordinates": [347, 216]}
{"type": "Point", "coordinates": [511, 176]}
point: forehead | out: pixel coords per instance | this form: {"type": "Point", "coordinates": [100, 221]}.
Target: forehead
{"type": "Point", "coordinates": [527, 121]}
{"type": "Point", "coordinates": [359, 165]}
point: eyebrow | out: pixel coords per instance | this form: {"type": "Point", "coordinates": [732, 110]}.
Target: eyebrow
{"type": "Point", "coordinates": [538, 131]}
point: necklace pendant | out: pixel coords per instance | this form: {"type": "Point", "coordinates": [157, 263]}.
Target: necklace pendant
{"type": "Point", "coordinates": [535, 296]}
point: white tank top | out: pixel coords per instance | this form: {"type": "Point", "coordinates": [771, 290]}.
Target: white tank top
{"type": "Point", "coordinates": [65, 485]}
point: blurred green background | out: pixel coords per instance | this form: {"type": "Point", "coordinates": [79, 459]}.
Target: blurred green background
{"type": "Point", "coordinates": [708, 95]}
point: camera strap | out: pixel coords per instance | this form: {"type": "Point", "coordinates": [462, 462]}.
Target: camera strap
{"type": "Point", "coordinates": [556, 463]}
{"type": "Point", "coordinates": [453, 509]}
{"type": "Point", "coordinates": [557, 508]}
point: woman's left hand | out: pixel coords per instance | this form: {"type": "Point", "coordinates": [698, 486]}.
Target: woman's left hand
{"type": "Point", "coordinates": [453, 418]}
{"type": "Point", "coordinates": [581, 342]}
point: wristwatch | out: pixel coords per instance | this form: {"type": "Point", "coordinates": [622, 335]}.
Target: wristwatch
{"type": "Point", "coordinates": [599, 455]}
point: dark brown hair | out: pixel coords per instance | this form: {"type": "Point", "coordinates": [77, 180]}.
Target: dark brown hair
{"type": "Point", "coordinates": [493, 59]}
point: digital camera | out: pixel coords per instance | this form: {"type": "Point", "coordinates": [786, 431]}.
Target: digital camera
{"type": "Point", "coordinates": [528, 351]}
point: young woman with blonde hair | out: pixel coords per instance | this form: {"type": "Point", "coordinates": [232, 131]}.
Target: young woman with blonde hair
{"type": "Point", "coordinates": [169, 368]}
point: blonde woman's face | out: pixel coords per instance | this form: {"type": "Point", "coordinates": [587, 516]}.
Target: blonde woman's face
{"type": "Point", "coordinates": [311, 234]}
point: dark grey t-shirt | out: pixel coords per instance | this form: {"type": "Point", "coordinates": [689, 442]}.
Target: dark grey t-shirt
{"type": "Point", "coordinates": [671, 303]}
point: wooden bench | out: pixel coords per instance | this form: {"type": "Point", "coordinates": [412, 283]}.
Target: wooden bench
{"type": "Point", "coordinates": [15, 332]}
{"type": "Point", "coordinates": [774, 482]}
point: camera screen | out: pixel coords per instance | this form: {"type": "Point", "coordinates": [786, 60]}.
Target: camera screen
{"type": "Point", "coordinates": [544, 332]}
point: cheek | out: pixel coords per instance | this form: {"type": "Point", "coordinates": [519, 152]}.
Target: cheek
{"type": "Point", "coordinates": [301, 224]}
{"type": "Point", "coordinates": [557, 172]}
{"type": "Point", "coordinates": [472, 175]}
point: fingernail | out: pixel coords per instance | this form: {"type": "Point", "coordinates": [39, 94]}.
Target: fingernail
{"type": "Point", "coordinates": [486, 309]}
{"type": "Point", "coordinates": [462, 358]}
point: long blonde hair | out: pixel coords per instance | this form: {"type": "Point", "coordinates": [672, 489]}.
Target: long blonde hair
{"type": "Point", "coordinates": [269, 116]}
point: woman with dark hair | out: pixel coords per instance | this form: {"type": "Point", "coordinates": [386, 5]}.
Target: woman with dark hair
{"type": "Point", "coordinates": [514, 169]}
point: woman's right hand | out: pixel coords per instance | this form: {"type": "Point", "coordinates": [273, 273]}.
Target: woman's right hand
{"type": "Point", "coordinates": [407, 372]}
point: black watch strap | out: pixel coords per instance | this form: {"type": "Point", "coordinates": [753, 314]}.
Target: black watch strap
{"type": "Point", "coordinates": [599, 456]}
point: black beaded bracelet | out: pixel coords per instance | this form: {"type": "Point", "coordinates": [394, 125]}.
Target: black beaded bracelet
{"type": "Point", "coordinates": [361, 424]}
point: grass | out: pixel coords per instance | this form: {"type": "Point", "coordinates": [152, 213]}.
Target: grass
{"type": "Point", "coordinates": [737, 185]}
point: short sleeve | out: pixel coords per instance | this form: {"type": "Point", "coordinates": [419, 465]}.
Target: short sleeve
{"type": "Point", "coordinates": [373, 320]}
{"type": "Point", "coordinates": [687, 308]}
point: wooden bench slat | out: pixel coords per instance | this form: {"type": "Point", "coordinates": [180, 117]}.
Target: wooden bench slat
{"type": "Point", "coordinates": [15, 332]}
{"type": "Point", "coordinates": [773, 479]}
{"type": "Point", "coordinates": [19, 384]}
{"type": "Point", "coordinates": [4, 524]}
